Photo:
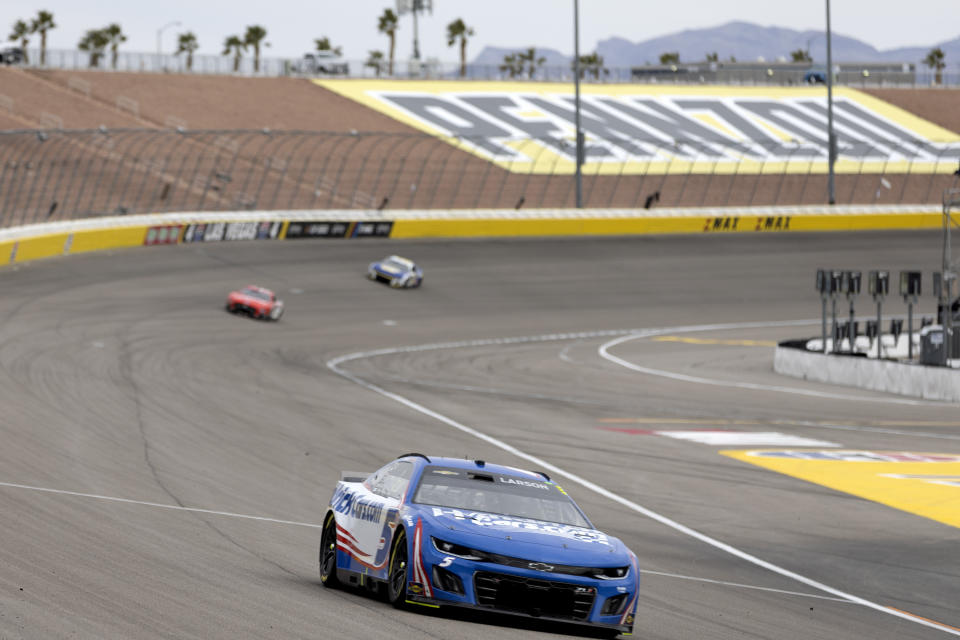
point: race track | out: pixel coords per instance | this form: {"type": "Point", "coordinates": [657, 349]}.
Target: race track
{"type": "Point", "coordinates": [164, 465]}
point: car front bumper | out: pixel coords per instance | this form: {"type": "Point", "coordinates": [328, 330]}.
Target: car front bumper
{"type": "Point", "coordinates": [456, 581]}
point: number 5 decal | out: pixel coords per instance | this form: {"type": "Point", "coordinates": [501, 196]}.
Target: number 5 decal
{"type": "Point", "coordinates": [446, 562]}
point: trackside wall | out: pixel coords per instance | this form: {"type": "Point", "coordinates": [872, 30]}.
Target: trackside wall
{"type": "Point", "coordinates": [33, 242]}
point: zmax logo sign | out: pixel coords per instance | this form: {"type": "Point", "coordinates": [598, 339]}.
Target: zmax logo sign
{"type": "Point", "coordinates": [665, 130]}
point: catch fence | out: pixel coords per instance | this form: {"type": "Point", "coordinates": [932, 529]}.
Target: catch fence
{"type": "Point", "coordinates": [736, 74]}
{"type": "Point", "coordinates": [53, 174]}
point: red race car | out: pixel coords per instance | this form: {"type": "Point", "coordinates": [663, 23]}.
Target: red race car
{"type": "Point", "coordinates": [256, 302]}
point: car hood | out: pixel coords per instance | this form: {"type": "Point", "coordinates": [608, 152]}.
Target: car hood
{"type": "Point", "coordinates": [525, 538]}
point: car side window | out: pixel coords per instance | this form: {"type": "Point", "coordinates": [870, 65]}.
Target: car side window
{"type": "Point", "coordinates": [392, 480]}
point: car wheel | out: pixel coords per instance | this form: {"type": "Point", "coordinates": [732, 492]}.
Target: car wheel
{"type": "Point", "coordinates": [230, 308]}
{"type": "Point", "coordinates": [397, 574]}
{"type": "Point", "coordinates": [328, 553]}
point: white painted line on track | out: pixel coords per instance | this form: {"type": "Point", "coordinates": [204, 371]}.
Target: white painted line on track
{"type": "Point", "coordinates": [604, 351]}
{"type": "Point", "coordinates": [334, 365]}
{"type": "Point", "coordinates": [743, 586]}
{"type": "Point", "coordinates": [745, 438]}
{"type": "Point", "coordinates": [318, 526]}
{"type": "Point", "coordinates": [159, 505]}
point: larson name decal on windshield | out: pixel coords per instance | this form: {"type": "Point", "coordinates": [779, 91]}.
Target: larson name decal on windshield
{"type": "Point", "coordinates": [525, 483]}
{"type": "Point", "coordinates": [489, 520]}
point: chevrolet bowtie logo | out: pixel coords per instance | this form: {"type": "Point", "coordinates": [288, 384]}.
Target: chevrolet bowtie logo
{"type": "Point", "coordinates": [539, 566]}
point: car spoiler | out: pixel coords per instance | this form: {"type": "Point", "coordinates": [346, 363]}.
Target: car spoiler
{"type": "Point", "coordinates": [354, 476]}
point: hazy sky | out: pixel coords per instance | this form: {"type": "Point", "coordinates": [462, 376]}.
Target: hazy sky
{"type": "Point", "coordinates": [292, 25]}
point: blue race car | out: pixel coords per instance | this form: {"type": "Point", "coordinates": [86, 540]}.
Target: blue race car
{"type": "Point", "coordinates": [396, 271]}
{"type": "Point", "coordinates": [452, 532]}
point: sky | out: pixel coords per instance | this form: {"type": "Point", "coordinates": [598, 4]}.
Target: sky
{"type": "Point", "coordinates": [292, 25]}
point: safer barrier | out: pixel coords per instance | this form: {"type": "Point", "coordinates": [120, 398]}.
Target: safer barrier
{"type": "Point", "coordinates": [36, 241]}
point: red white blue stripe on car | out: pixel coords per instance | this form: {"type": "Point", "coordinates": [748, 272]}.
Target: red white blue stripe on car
{"type": "Point", "coordinates": [349, 545]}
{"type": "Point", "coordinates": [419, 573]}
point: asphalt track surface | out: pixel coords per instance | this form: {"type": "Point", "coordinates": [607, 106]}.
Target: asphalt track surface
{"type": "Point", "coordinates": [162, 461]}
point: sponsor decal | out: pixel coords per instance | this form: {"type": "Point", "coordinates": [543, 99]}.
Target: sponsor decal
{"type": "Point", "coordinates": [645, 129]}
{"type": "Point", "coordinates": [540, 566]}
{"type": "Point", "coordinates": [348, 503]}
{"type": "Point", "coordinates": [524, 483]}
{"type": "Point", "coordinates": [924, 484]}
{"type": "Point", "coordinates": [445, 472]}
{"type": "Point", "coordinates": [230, 231]}
{"type": "Point", "coordinates": [338, 229]}
{"type": "Point", "coordinates": [162, 234]}
{"type": "Point", "coordinates": [723, 223]}
{"type": "Point", "coordinates": [523, 524]}
{"type": "Point", "coordinates": [415, 588]}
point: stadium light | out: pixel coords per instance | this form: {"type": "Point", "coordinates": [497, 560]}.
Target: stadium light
{"type": "Point", "coordinates": [160, 31]}
{"type": "Point", "coordinates": [576, 102]}
{"type": "Point", "coordinates": [831, 137]}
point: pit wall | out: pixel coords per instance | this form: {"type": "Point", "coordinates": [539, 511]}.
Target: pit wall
{"type": "Point", "coordinates": [33, 242]}
{"type": "Point", "coordinates": [929, 383]}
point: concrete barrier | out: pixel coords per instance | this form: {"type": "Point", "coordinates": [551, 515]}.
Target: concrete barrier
{"type": "Point", "coordinates": [929, 383]}
{"type": "Point", "coordinates": [32, 242]}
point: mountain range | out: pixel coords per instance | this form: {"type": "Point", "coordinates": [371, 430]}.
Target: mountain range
{"type": "Point", "coordinates": [744, 41]}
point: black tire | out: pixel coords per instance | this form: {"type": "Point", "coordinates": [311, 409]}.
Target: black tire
{"type": "Point", "coordinates": [397, 573]}
{"type": "Point", "coordinates": [328, 553]}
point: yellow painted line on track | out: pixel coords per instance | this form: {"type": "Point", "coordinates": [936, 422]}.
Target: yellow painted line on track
{"type": "Point", "coordinates": [735, 343]}
{"type": "Point", "coordinates": [930, 489]}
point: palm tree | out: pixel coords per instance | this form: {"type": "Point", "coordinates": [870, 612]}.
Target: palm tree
{"type": "Point", "coordinates": [388, 24]}
{"type": "Point", "coordinates": [713, 57]}
{"type": "Point", "coordinates": [593, 63]}
{"type": "Point", "coordinates": [375, 60]}
{"type": "Point", "coordinates": [670, 58]}
{"type": "Point", "coordinates": [187, 43]}
{"type": "Point", "coordinates": [41, 24]}
{"type": "Point", "coordinates": [21, 31]}
{"type": "Point", "coordinates": [254, 36]}
{"type": "Point", "coordinates": [94, 42]}
{"type": "Point", "coordinates": [801, 55]}
{"type": "Point", "coordinates": [934, 60]}
{"type": "Point", "coordinates": [115, 38]}
{"type": "Point", "coordinates": [457, 29]}
{"type": "Point", "coordinates": [529, 57]}
{"type": "Point", "coordinates": [512, 64]}
{"type": "Point", "coordinates": [237, 46]}
{"type": "Point", "coordinates": [323, 44]}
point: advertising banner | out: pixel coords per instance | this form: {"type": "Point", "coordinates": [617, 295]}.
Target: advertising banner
{"type": "Point", "coordinates": [338, 229]}
{"type": "Point", "coordinates": [661, 129]}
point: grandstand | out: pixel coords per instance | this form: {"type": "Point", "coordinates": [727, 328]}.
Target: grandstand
{"type": "Point", "coordinates": [287, 143]}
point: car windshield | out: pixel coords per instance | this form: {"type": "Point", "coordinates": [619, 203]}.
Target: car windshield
{"type": "Point", "coordinates": [396, 264]}
{"type": "Point", "coordinates": [496, 493]}
{"type": "Point", "coordinates": [254, 293]}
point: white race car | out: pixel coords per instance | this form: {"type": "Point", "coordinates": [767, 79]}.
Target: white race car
{"type": "Point", "coordinates": [396, 271]}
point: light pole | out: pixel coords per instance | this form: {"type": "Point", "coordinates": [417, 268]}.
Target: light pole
{"type": "Point", "coordinates": [576, 101]}
{"type": "Point", "coordinates": [831, 136]}
{"type": "Point", "coordinates": [160, 31]}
